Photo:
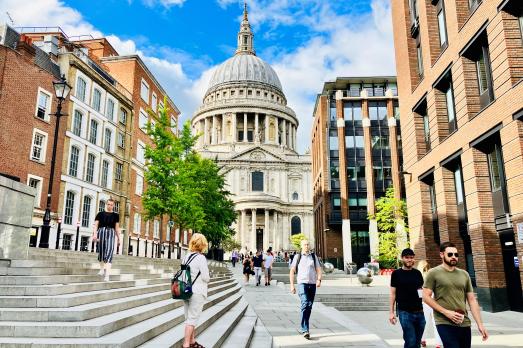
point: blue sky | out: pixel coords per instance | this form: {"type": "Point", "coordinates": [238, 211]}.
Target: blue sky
{"type": "Point", "coordinates": [182, 41]}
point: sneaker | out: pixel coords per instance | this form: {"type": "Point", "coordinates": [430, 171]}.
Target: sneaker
{"type": "Point", "coordinates": [423, 343]}
{"type": "Point", "coordinates": [101, 273]}
{"type": "Point", "coordinates": [106, 278]}
{"type": "Point", "coordinates": [306, 335]}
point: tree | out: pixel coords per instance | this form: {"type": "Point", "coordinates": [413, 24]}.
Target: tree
{"type": "Point", "coordinates": [296, 240]}
{"type": "Point", "coordinates": [229, 244]}
{"type": "Point", "coordinates": [390, 213]}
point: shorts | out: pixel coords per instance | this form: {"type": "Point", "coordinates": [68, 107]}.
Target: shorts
{"type": "Point", "coordinates": [193, 308]}
{"type": "Point", "coordinates": [268, 272]}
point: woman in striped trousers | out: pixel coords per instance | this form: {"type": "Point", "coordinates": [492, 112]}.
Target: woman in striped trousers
{"type": "Point", "coordinates": [106, 230]}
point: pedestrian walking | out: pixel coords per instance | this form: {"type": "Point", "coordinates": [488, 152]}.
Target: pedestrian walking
{"type": "Point", "coordinates": [106, 230]}
{"type": "Point", "coordinates": [193, 307]}
{"type": "Point", "coordinates": [234, 258]}
{"type": "Point", "coordinates": [269, 259]}
{"type": "Point", "coordinates": [424, 267]}
{"type": "Point", "coordinates": [452, 289]}
{"type": "Point", "coordinates": [307, 269]}
{"type": "Point", "coordinates": [247, 268]}
{"type": "Point", "coordinates": [406, 294]}
{"type": "Point", "coordinates": [257, 262]}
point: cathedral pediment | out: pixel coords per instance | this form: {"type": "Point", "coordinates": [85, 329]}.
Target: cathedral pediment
{"type": "Point", "coordinates": [257, 154]}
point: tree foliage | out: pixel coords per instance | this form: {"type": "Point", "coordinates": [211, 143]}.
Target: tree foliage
{"type": "Point", "coordinates": [229, 244]}
{"type": "Point", "coordinates": [390, 212]}
{"type": "Point", "coordinates": [182, 185]}
{"type": "Point", "coordinates": [296, 240]}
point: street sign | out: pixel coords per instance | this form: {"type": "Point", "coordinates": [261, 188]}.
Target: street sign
{"type": "Point", "coordinates": [171, 223]}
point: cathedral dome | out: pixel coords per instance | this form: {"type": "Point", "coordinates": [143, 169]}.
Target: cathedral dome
{"type": "Point", "coordinates": [245, 68]}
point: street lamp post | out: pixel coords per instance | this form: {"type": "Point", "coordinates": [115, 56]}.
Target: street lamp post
{"type": "Point", "coordinates": [58, 230]}
{"type": "Point", "coordinates": [61, 89]}
{"type": "Point", "coordinates": [77, 235]}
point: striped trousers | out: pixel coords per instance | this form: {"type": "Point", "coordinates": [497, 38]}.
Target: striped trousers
{"type": "Point", "coordinates": [106, 238]}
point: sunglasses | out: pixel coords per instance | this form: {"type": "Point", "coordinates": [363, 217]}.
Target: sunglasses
{"type": "Point", "coordinates": [452, 254]}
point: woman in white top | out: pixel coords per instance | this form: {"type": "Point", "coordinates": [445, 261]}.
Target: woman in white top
{"type": "Point", "coordinates": [199, 271]}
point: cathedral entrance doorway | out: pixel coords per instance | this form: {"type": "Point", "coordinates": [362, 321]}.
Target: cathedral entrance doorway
{"type": "Point", "coordinates": [259, 239]}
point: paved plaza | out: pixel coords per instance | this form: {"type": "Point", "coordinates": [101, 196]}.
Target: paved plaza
{"type": "Point", "coordinates": [278, 311]}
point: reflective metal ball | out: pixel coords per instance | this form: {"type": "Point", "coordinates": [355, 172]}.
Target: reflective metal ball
{"type": "Point", "coordinates": [365, 276]}
{"type": "Point", "coordinates": [328, 267]}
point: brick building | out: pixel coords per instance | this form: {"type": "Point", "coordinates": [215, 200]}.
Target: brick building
{"type": "Point", "coordinates": [148, 238]}
{"type": "Point", "coordinates": [27, 100]}
{"type": "Point", "coordinates": [460, 66]}
{"type": "Point", "coordinates": [355, 128]}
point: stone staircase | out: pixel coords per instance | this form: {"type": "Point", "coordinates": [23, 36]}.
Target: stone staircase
{"type": "Point", "coordinates": [355, 302]}
{"type": "Point", "coordinates": [56, 299]}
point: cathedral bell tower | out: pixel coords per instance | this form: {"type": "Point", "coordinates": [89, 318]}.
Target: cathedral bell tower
{"type": "Point", "coordinates": [245, 36]}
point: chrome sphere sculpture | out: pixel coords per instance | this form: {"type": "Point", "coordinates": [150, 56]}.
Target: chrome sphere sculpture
{"type": "Point", "coordinates": [328, 267]}
{"type": "Point", "coordinates": [365, 276]}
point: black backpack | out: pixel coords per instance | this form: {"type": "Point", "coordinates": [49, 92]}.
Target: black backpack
{"type": "Point", "coordinates": [299, 258]}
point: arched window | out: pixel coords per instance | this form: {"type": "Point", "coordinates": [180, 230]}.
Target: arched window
{"type": "Point", "coordinates": [86, 211]}
{"type": "Point", "coordinates": [295, 225]}
{"type": "Point", "coordinates": [257, 181]}
{"type": "Point", "coordinates": [77, 123]}
{"type": "Point", "coordinates": [73, 161]}
{"type": "Point", "coordinates": [80, 88]}
{"type": "Point", "coordinates": [295, 196]}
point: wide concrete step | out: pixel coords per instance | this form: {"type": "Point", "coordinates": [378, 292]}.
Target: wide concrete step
{"type": "Point", "coordinates": [160, 302]}
{"type": "Point", "coordinates": [173, 338]}
{"type": "Point", "coordinates": [68, 279]}
{"type": "Point", "coordinates": [349, 308]}
{"type": "Point", "coordinates": [243, 332]}
{"type": "Point", "coordinates": [99, 308]}
{"type": "Point", "coordinates": [139, 331]}
{"type": "Point", "coordinates": [261, 337]}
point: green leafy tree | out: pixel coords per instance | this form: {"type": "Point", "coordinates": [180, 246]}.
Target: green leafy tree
{"type": "Point", "coordinates": [391, 215]}
{"type": "Point", "coordinates": [296, 240]}
{"type": "Point", "coordinates": [229, 244]}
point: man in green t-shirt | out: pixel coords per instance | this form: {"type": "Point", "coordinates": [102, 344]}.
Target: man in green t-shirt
{"type": "Point", "coordinates": [452, 288]}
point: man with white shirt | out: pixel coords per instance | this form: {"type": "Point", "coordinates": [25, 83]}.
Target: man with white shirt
{"type": "Point", "coordinates": [308, 276]}
{"type": "Point", "coordinates": [269, 259]}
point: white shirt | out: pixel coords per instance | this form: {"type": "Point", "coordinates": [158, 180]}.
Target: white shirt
{"type": "Point", "coordinates": [199, 264]}
{"type": "Point", "coordinates": [268, 260]}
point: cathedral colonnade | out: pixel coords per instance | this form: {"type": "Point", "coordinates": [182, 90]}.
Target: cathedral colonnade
{"type": "Point", "coordinates": [246, 127]}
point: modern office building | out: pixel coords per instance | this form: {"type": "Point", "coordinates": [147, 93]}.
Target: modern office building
{"type": "Point", "coordinates": [356, 148]}
{"type": "Point", "coordinates": [248, 129]}
{"type": "Point", "coordinates": [460, 70]}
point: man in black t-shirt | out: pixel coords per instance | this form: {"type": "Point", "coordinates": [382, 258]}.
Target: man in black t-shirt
{"type": "Point", "coordinates": [257, 261]}
{"type": "Point", "coordinates": [406, 285]}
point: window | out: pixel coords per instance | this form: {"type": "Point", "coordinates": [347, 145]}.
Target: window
{"type": "Point", "coordinates": [486, 92]}
{"type": "Point", "coordinates": [97, 97]}
{"type": "Point", "coordinates": [495, 168]}
{"type": "Point", "coordinates": [421, 110]}
{"type": "Point", "coordinates": [419, 55]}
{"type": "Point", "coordinates": [137, 223]}
{"type": "Point", "coordinates": [451, 110]}
{"type": "Point", "coordinates": [144, 91]}
{"type": "Point", "coordinates": [86, 212]}
{"type": "Point", "coordinates": [119, 171]}
{"type": "Point", "coordinates": [295, 196]}
{"type": "Point", "coordinates": [69, 206]}
{"type": "Point", "coordinates": [160, 105]}
{"type": "Point", "coordinates": [39, 146]}
{"type": "Point", "coordinates": [36, 183]}
{"type": "Point", "coordinates": [81, 87]}
{"type": "Point", "coordinates": [442, 26]}
{"type": "Point", "coordinates": [93, 135]}
{"type": "Point", "coordinates": [140, 153]}
{"type": "Point", "coordinates": [143, 120]}
{"type": "Point", "coordinates": [121, 140]}
{"type": "Point", "coordinates": [333, 143]}
{"type": "Point", "coordinates": [295, 225]}
{"type": "Point", "coordinates": [67, 241]}
{"type": "Point", "coordinates": [105, 173]}
{"type": "Point", "coordinates": [117, 206]}
{"type": "Point", "coordinates": [107, 140]}
{"type": "Point", "coordinates": [257, 181]}
{"type": "Point", "coordinates": [473, 4]}
{"type": "Point", "coordinates": [156, 229]}
{"type": "Point", "coordinates": [458, 182]}
{"type": "Point", "coordinates": [139, 185]}
{"type": "Point", "coordinates": [414, 11]}
{"type": "Point", "coordinates": [110, 109]}
{"type": "Point", "coordinates": [73, 161]}
{"type": "Point", "coordinates": [521, 25]}
{"type": "Point", "coordinates": [123, 116]}
{"type": "Point", "coordinates": [426, 131]}
{"type": "Point", "coordinates": [42, 109]}
{"type": "Point", "coordinates": [147, 228]}
{"type": "Point", "coordinates": [101, 205]}
{"type": "Point", "coordinates": [154, 102]}
{"type": "Point", "coordinates": [77, 123]}
{"type": "Point", "coordinates": [174, 124]}
{"type": "Point", "coordinates": [89, 173]}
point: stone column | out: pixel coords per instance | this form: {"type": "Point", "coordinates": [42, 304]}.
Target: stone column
{"type": "Point", "coordinates": [276, 236]}
{"type": "Point", "coordinates": [284, 134]}
{"type": "Point", "coordinates": [206, 131]}
{"type": "Point", "coordinates": [267, 233]}
{"type": "Point", "coordinates": [244, 127]}
{"type": "Point", "coordinates": [234, 127]}
{"type": "Point", "coordinates": [223, 134]}
{"type": "Point", "coordinates": [289, 136]}
{"type": "Point", "coordinates": [266, 129]}
{"type": "Point", "coordinates": [294, 129]}
{"type": "Point", "coordinates": [346, 241]}
{"type": "Point", "coordinates": [253, 230]}
{"type": "Point", "coordinates": [256, 128]}
{"type": "Point", "coordinates": [242, 229]}
{"type": "Point", "coordinates": [277, 131]}
{"type": "Point", "coordinates": [214, 130]}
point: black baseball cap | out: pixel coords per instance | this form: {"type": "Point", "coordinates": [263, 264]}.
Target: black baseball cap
{"type": "Point", "coordinates": [407, 252]}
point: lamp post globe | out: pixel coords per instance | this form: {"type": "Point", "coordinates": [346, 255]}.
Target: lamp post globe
{"type": "Point", "coordinates": [61, 89]}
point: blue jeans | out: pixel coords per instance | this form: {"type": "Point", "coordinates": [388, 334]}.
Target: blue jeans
{"type": "Point", "coordinates": [413, 325]}
{"type": "Point", "coordinates": [306, 293]}
{"type": "Point", "coordinates": [455, 336]}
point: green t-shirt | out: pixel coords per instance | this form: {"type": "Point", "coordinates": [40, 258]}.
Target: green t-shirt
{"type": "Point", "coordinates": [450, 291]}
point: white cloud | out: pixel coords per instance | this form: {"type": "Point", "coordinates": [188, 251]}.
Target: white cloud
{"type": "Point", "coordinates": [164, 3]}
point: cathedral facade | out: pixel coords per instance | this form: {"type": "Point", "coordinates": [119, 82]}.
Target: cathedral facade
{"type": "Point", "coordinates": [248, 129]}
